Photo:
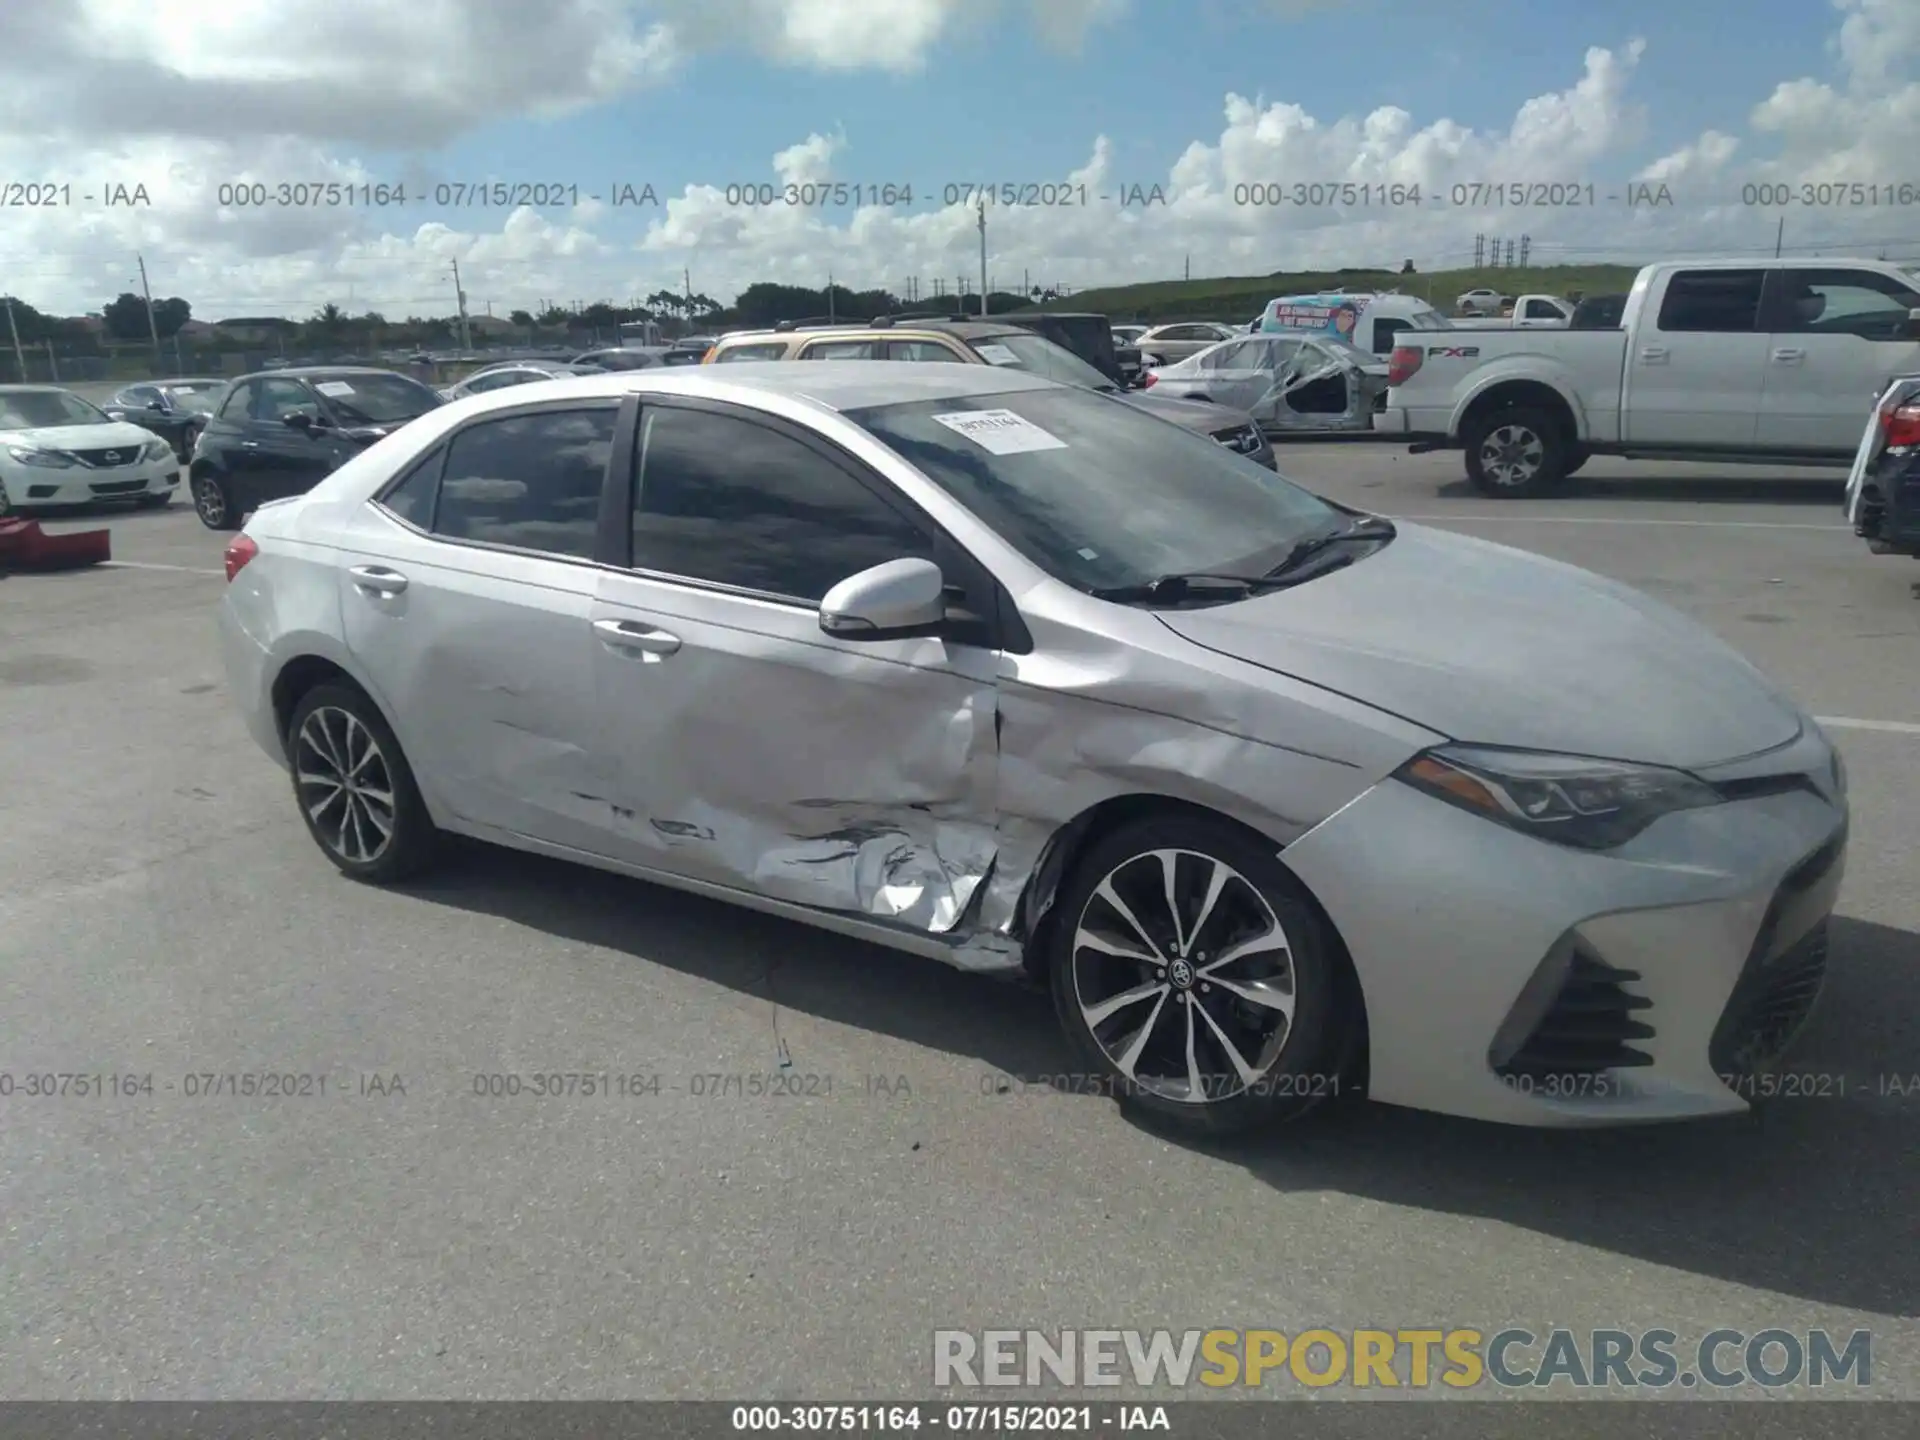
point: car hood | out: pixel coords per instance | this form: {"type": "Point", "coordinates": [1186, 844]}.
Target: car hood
{"type": "Point", "coordinates": [1495, 646]}
{"type": "Point", "coordinates": [1200, 415]}
{"type": "Point", "coordinates": [79, 437]}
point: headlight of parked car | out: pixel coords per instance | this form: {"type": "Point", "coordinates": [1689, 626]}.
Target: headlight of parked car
{"type": "Point", "coordinates": [157, 450]}
{"type": "Point", "coordinates": [46, 459]}
{"type": "Point", "coordinates": [1568, 799]}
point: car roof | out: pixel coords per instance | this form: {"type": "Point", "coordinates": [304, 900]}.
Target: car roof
{"type": "Point", "coordinates": [959, 329]}
{"type": "Point", "coordinates": [831, 384]}
{"type": "Point", "coordinates": [319, 372]}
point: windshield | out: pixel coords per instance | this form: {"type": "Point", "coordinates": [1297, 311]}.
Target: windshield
{"type": "Point", "coordinates": [377, 399]}
{"type": "Point", "coordinates": [1101, 494]}
{"type": "Point", "coordinates": [1040, 356]}
{"type": "Point", "coordinates": [193, 389]}
{"type": "Point", "coordinates": [31, 409]}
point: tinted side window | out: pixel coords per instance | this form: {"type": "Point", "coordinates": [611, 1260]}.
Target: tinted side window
{"type": "Point", "coordinates": [1717, 301]}
{"type": "Point", "coordinates": [531, 481]}
{"type": "Point", "coordinates": [776, 350]}
{"type": "Point", "coordinates": [1844, 302]}
{"type": "Point", "coordinates": [1540, 310]}
{"type": "Point", "coordinates": [239, 402]}
{"type": "Point", "coordinates": [412, 499]}
{"type": "Point", "coordinates": [735, 503]}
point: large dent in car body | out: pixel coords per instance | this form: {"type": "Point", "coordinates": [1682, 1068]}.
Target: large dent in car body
{"type": "Point", "coordinates": [1361, 389]}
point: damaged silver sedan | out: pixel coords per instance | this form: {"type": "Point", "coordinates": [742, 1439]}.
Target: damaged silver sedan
{"type": "Point", "coordinates": [1288, 382]}
{"type": "Point", "coordinates": [1279, 798]}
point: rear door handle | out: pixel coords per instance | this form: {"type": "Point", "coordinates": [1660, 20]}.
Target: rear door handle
{"type": "Point", "coordinates": [1654, 354]}
{"type": "Point", "coordinates": [378, 579]}
{"type": "Point", "coordinates": [1789, 357]}
{"type": "Point", "coordinates": [249, 444]}
{"type": "Point", "coordinates": [643, 640]}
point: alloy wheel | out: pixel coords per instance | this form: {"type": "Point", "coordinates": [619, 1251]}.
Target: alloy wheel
{"type": "Point", "coordinates": [1512, 455]}
{"type": "Point", "coordinates": [345, 785]}
{"type": "Point", "coordinates": [211, 501]}
{"type": "Point", "coordinates": [1184, 976]}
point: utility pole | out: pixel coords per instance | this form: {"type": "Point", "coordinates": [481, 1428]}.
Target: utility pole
{"type": "Point", "coordinates": [1779, 236]}
{"type": "Point", "coordinates": [686, 277]}
{"type": "Point", "coordinates": [983, 259]}
{"type": "Point", "coordinates": [466, 334]}
{"type": "Point", "coordinates": [153, 326]}
{"type": "Point", "coordinates": [831, 316]}
{"type": "Point", "coordinates": [19, 355]}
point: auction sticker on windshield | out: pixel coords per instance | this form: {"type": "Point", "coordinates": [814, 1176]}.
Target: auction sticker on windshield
{"type": "Point", "coordinates": [996, 354]}
{"type": "Point", "coordinates": [334, 387]}
{"type": "Point", "coordinates": [1000, 432]}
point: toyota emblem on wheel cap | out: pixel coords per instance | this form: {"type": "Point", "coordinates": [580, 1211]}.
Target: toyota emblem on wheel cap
{"type": "Point", "coordinates": [1181, 974]}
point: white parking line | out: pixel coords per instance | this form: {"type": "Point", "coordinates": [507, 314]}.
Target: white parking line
{"type": "Point", "coordinates": [173, 569]}
{"type": "Point", "coordinates": [1617, 520]}
{"type": "Point", "coordinates": [1890, 727]}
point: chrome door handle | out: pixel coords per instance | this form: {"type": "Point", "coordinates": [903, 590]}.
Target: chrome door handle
{"type": "Point", "coordinates": [376, 578]}
{"type": "Point", "coordinates": [1654, 353]}
{"type": "Point", "coordinates": [249, 444]}
{"type": "Point", "coordinates": [626, 635]}
{"type": "Point", "coordinates": [1789, 357]}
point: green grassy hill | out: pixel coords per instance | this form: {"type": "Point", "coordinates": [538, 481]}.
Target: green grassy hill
{"type": "Point", "coordinates": [1239, 298]}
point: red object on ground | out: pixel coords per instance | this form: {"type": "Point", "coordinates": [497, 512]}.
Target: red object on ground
{"type": "Point", "coordinates": [25, 546]}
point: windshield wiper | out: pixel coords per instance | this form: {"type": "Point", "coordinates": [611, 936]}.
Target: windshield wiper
{"type": "Point", "coordinates": [1181, 586]}
{"type": "Point", "coordinates": [1367, 527]}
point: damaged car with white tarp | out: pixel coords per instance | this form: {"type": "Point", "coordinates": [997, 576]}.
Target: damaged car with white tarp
{"type": "Point", "coordinates": [1287, 382]}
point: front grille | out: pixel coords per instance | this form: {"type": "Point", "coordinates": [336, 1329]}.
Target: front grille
{"type": "Point", "coordinates": [107, 459]}
{"type": "Point", "coordinates": [1589, 1027]}
{"type": "Point", "coordinates": [117, 487]}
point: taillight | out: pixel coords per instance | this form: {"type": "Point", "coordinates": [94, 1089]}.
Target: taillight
{"type": "Point", "coordinates": [1149, 380]}
{"type": "Point", "coordinates": [1902, 425]}
{"type": "Point", "coordinates": [1405, 361]}
{"type": "Point", "coordinates": [240, 550]}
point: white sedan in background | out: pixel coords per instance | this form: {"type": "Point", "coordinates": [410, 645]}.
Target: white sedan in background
{"type": "Point", "coordinates": [57, 449]}
{"type": "Point", "coordinates": [1309, 383]}
{"type": "Point", "coordinates": [507, 374]}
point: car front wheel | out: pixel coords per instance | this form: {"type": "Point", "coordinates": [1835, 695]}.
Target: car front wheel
{"type": "Point", "coordinates": [1515, 453]}
{"type": "Point", "coordinates": [354, 787]}
{"type": "Point", "coordinates": [1190, 969]}
{"type": "Point", "coordinates": [213, 503]}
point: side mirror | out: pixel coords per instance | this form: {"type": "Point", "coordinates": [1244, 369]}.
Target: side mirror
{"type": "Point", "coordinates": [159, 405]}
{"type": "Point", "coordinates": [298, 420]}
{"type": "Point", "coordinates": [894, 601]}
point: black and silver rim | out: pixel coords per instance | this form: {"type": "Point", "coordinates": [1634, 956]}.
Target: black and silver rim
{"type": "Point", "coordinates": [211, 501]}
{"type": "Point", "coordinates": [1184, 976]}
{"type": "Point", "coordinates": [1512, 455]}
{"type": "Point", "coordinates": [343, 781]}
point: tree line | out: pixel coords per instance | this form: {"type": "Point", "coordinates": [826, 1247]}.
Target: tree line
{"type": "Point", "coordinates": [125, 319]}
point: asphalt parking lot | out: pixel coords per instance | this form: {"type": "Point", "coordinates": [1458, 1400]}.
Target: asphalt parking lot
{"type": "Point", "coordinates": [164, 914]}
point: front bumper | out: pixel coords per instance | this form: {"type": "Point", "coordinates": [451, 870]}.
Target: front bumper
{"type": "Point", "coordinates": [1514, 980]}
{"type": "Point", "coordinates": [34, 486]}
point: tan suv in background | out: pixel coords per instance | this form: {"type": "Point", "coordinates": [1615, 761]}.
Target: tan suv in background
{"type": "Point", "coordinates": [982, 342]}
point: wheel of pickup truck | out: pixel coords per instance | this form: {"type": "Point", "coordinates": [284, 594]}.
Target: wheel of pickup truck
{"type": "Point", "coordinates": [1516, 453]}
{"type": "Point", "coordinates": [1576, 457]}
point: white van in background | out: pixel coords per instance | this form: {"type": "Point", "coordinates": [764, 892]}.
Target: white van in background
{"type": "Point", "coordinates": [1369, 321]}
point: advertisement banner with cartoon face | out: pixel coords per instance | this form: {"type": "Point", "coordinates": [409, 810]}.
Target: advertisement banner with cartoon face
{"type": "Point", "coordinates": [1337, 315]}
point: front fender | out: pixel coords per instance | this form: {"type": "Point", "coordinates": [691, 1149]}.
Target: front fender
{"type": "Point", "coordinates": [1533, 370]}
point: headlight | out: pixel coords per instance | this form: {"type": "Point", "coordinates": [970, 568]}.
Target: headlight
{"type": "Point", "coordinates": [46, 459]}
{"type": "Point", "coordinates": [157, 450]}
{"type": "Point", "coordinates": [1569, 799]}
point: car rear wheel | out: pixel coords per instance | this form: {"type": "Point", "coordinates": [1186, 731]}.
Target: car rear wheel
{"type": "Point", "coordinates": [1516, 453]}
{"type": "Point", "coordinates": [354, 787]}
{"type": "Point", "coordinates": [1191, 971]}
{"type": "Point", "coordinates": [213, 503]}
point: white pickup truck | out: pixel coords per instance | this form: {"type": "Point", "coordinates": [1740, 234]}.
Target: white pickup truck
{"type": "Point", "coordinates": [1743, 361]}
{"type": "Point", "coordinates": [1529, 312]}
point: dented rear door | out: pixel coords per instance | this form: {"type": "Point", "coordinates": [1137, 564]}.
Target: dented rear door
{"type": "Point", "coordinates": [751, 749]}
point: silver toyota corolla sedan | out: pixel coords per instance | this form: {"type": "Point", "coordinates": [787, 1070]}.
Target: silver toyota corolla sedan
{"type": "Point", "coordinates": [1281, 799]}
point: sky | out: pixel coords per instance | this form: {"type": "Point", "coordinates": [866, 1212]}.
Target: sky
{"type": "Point", "coordinates": [1163, 137]}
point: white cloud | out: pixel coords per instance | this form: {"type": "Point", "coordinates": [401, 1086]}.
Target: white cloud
{"type": "Point", "coordinates": [188, 96]}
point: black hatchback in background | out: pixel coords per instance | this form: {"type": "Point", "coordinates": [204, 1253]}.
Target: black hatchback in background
{"type": "Point", "coordinates": [281, 432]}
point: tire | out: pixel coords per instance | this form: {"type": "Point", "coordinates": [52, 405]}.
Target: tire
{"type": "Point", "coordinates": [335, 728]}
{"type": "Point", "coordinates": [1575, 459]}
{"type": "Point", "coordinates": [1296, 1060]}
{"type": "Point", "coordinates": [1516, 453]}
{"type": "Point", "coordinates": [213, 502]}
